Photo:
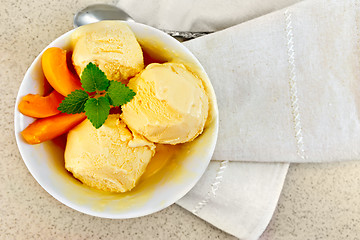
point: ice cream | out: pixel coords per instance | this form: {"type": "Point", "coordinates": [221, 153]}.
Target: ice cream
{"type": "Point", "coordinates": [110, 158]}
{"type": "Point", "coordinates": [111, 45]}
{"type": "Point", "coordinates": [170, 105]}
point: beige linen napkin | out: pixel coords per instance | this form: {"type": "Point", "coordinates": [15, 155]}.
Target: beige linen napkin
{"type": "Point", "coordinates": [287, 83]}
{"type": "Point", "coordinates": [287, 87]}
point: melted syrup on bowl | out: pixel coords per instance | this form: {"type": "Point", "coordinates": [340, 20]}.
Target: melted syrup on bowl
{"type": "Point", "coordinates": [149, 59]}
{"type": "Point", "coordinates": [60, 141]}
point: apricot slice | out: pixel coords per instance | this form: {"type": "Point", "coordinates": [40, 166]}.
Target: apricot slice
{"type": "Point", "coordinates": [48, 128]}
{"type": "Point", "coordinates": [37, 106]}
{"type": "Point", "coordinates": [56, 71]}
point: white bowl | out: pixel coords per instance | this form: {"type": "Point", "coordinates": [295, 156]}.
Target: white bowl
{"type": "Point", "coordinates": [46, 163]}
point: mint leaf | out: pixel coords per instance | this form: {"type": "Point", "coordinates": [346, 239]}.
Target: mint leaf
{"type": "Point", "coordinates": [74, 102]}
{"type": "Point", "coordinates": [97, 110]}
{"type": "Point", "coordinates": [119, 93]}
{"type": "Point", "coordinates": [92, 79]}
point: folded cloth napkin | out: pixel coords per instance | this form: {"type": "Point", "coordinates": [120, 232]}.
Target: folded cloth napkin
{"type": "Point", "coordinates": [287, 92]}
{"type": "Point", "coordinates": [287, 82]}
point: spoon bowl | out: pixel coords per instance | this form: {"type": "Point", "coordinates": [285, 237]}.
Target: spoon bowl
{"type": "Point", "coordinates": [98, 12]}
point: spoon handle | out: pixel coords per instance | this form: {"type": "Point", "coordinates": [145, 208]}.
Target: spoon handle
{"type": "Point", "coordinates": [185, 34]}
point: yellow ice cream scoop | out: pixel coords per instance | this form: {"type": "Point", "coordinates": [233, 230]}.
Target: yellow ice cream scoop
{"type": "Point", "coordinates": [170, 105]}
{"type": "Point", "coordinates": [111, 45]}
{"type": "Point", "coordinates": [110, 158]}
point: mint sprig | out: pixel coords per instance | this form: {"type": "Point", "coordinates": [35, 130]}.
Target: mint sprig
{"type": "Point", "coordinates": [97, 97]}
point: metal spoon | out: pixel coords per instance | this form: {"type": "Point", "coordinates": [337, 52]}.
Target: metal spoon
{"type": "Point", "coordinates": [98, 12]}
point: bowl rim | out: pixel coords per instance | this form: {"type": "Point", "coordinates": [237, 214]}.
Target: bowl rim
{"type": "Point", "coordinates": [64, 200]}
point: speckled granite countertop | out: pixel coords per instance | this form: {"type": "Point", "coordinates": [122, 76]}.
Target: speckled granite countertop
{"type": "Point", "coordinates": [319, 201]}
